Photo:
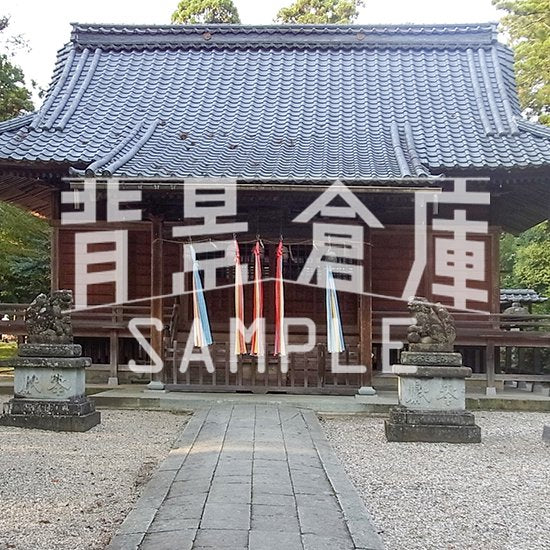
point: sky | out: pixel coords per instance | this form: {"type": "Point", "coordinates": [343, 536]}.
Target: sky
{"type": "Point", "coordinates": [46, 24]}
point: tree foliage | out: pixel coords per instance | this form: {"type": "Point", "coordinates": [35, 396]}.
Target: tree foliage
{"type": "Point", "coordinates": [15, 99]}
{"type": "Point", "coordinates": [525, 260]}
{"type": "Point", "coordinates": [25, 253]}
{"type": "Point", "coordinates": [194, 12]}
{"type": "Point", "coordinates": [320, 12]}
{"type": "Point", "coordinates": [527, 24]}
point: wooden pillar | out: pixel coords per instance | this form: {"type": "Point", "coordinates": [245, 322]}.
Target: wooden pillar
{"type": "Point", "coordinates": [365, 319]}
{"type": "Point", "coordinates": [429, 269]}
{"type": "Point", "coordinates": [494, 295]}
{"type": "Point", "coordinates": [116, 318]}
{"type": "Point", "coordinates": [494, 304]}
{"type": "Point", "coordinates": [55, 214]}
{"type": "Point", "coordinates": [490, 365]}
{"type": "Point", "coordinates": [157, 302]}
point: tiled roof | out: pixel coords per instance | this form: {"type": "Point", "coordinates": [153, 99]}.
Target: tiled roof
{"type": "Point", "coordinates": [280, 102]}
{"type": "Point", "coordinates": [521, 295]}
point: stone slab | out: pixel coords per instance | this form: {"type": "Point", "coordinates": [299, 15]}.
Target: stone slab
{"type": "Point", "coordinates": [542, 389]}
{"type": "Point", "coordinates": [49, 382]}
{"type": "Point", "coordinates": [433, 358]}
{"type": "Point", "coordinates": [49, 350]}
{"type": "Point", "coordinates": [546, 434]}
{"type": "Point", "coordinates": [434, 433]}
{"type": "Point", "coordinates": [401, 415]}
{"type": "Point", "coordinates": [47, 362]}
{"type": "Point", "coordinates": [434, 393]}
{"type": "Point", "coordinates": [79, 407]}
{"type": "Point", "coordinates": [269, 540]}
{"type": "Point", "coordinates": [431, 347]}
{"type": "Point", "coordinates": [366, 390]}
{"type": "Point", "coordinates": [429, 371]}
{"type": "Point", "coordinates": [69, 423]}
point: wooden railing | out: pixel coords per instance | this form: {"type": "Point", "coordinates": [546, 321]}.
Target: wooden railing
{"type": "Point", "coordinates": [91, 322]}
{"type": "Point", "coordinates": [494, 334]}
{"type": "Point", "coordinates": [509, 347]}
{"type": "Point", "coordinates": [110, 324]}
{"type": "Point", "coordinates": [477, 328]}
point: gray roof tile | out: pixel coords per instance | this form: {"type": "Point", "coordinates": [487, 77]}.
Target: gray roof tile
{"type": "Point", "coordinates": [292, 102]}
{"type": "Point", "coordinates": [521, 295]}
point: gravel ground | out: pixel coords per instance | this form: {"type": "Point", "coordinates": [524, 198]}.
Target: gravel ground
{"type": "Point", "coordinates": [492, 496]}
{"type": "Point", "coordinates": [70, 490]}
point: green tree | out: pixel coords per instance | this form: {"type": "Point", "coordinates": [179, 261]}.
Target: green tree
{"type": "Point", "coordinates": [525, 260]}
{"type": "Point", "coordinates": [192, 12]}
{"type": "Point", "coordinates": [15, 99]}
{"type": "Point", "coordinates": [527, 25]}
{"type": "Point", "coordinates": [25, 253]}
{"type": "Point", "coordinates": [320, 12]}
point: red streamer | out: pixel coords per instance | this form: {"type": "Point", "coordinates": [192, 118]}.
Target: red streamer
{"type": "Point", "coordinates": [280, 344]}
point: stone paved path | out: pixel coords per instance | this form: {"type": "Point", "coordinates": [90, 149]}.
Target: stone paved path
{"type": "Point", "coordinates": [255, 477]}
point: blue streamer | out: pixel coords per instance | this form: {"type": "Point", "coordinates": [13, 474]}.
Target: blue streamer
{"type": "Point", "coordinates": [335, 333]}
{"type": "Point", "coordinates": [201, 302]}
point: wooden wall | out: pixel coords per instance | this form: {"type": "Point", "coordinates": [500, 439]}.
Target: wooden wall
{"type": "Point", "coordinates": [392, 260]}
{"type": "Point", "coordinates": [139, 263]}
{"type": "Point", "coordinates": [392, 251]}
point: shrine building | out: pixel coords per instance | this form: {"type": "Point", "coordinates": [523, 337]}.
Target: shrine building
{"type": "Point", "coordinates": [414, 128]}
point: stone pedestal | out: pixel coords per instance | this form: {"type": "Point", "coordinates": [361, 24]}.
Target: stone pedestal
{"type": "Point", "coordinates": [156, 385]}
{"type": "Point", "coordinates": [366, 390]}
{"type": "Point", "coordinates": [432, 400]}
{"type": "Point", "coordinates": [50, 389]}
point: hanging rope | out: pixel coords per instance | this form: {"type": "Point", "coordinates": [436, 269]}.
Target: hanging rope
{"type": "Point", "coordinates": [257, 344]}
{"type": "Point", "coordinates": [266, 241]}
{"type": "Point", "coordinates": [280, 344]}
{"type": "Point", "coordinates": [240, 342]}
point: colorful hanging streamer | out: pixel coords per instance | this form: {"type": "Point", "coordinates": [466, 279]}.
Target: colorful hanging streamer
{"type": "Point", "coordinates": [240, 342]}
{"type": "Point", "coordinates": [257, 344]}
{"type": "Point", "coordinates": [201, 325]}
{"type": "Point", "coordinates": [335, 335]}
{"type": "Point", "coordinates": [280, 344]}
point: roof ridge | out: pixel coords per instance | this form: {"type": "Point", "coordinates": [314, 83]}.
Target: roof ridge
{"type": "Point", "coordinates": [17, 122]}
{"type": "Point", "coordinates": [284, 28]}
{"type": "Point", "coordinates": [534, 127]}
{"type": "Point", "coordinates": [478, 93]}
{"type": "Point", "coordinates": [414, 168]}
{"type": "Point", "coordinates": [91, 169]}
{"type": "Point", "coordinates": [419, 168]}
{"type": "Point", "coordinates": [115, 165]}
{"type": "Point", "coordinates": [489, 92]}
{"type": "Point", "coordinates": [74, 104]}
{"type": "Point", "coordinates": [86, 35]}
{"type": "Point", "coordinates": [57, 88]}
{"type": "Point", "coordinates": [504, 93]}
{"type": "Point", "coordinates": [68, 92]}
{"type": "Point", "coordinates": [398, 151]}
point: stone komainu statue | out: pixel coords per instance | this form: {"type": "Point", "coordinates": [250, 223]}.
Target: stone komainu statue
{"type": "Point", "coordinates": [48, 319]}
{"type": "Point", "coordinates": [434, 324]}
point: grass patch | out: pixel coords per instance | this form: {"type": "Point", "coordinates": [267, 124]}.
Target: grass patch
{"type": "Point", "coordinates": [7, 350]}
